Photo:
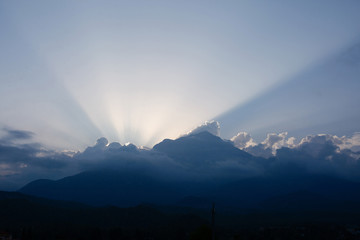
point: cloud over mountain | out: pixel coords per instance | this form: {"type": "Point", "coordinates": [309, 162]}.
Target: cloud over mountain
{"type": "Point", "coordinates": [200, 154]}
{"type": "Point", "coordinates": [311, 144]}
{"type": "Point", "coordinates": [212, 127]}
{"type": "Point", "coordinates": [265, 149]}
{"type": "Point", "coordinates": [321, 153]}
{"type": "Point", "coordinates": [243, 140]}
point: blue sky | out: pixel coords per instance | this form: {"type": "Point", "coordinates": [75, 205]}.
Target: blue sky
{"type": "Point", "coordinates": [141, 71]}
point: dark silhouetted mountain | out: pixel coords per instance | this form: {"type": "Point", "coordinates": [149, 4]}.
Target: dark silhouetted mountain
{"type": "Point", "coordinates": [16, 196]}
{"type": "Point", "coordinates": [201, 149]}
{"type": "Point", "coordinates": [107, 187]}
{"type": "Point", "coordinates": [252, 192]}
{"type": "Point", "coordinates": [132, 187]}
{"type": "Point", "coordinates": [195, 202]}
{"type": "Point", "coordinates": [29, 217]}
{"type": "Point", "coordinates": [129, 188]}
{"type": "Point", "coordinates": [298, 201]}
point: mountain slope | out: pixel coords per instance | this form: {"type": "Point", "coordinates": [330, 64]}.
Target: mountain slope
{"type": "Point", "coordinates": [28, 217]}
{"type": "Point", "coordinates": [201, 149]}
{"type": "Point", "coordinates": [252, 192]}
{"type": "Point", "coordinates": [229, 189]}
{"type": "Point", "coordinates": [106, 187]}
{"type": "Point", "coordinates": [132, 187]}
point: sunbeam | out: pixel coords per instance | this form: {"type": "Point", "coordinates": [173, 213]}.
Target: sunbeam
{"type": "Point", "coordinates": [324, 95]}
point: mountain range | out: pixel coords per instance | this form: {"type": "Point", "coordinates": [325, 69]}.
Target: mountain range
{"type": "Point", "coordinates": [269, 191]}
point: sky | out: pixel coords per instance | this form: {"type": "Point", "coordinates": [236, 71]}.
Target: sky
{"type": "Point", "coordinates": [322, 99]}
{"type": "Point", "coordinates": [141, 71]}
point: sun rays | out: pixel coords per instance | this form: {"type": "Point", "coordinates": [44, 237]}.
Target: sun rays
{"type": "Point", "coordinates": [143, 72]}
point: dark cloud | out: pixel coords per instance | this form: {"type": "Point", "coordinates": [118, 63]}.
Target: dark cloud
{"type": "Point", "coordinates": [321, 158]}
{"type": "Point", "coordinates": [12, 135]}
{"type": "Point", "coordinates": [23, 163]}
{"type": "Point", "coordinates": [18, 134]}
{"type": "Point", "coordinates": [260, 150]}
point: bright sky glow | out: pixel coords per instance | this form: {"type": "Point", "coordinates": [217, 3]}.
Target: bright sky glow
{"type": "Point", "coordinates": [141, 71]}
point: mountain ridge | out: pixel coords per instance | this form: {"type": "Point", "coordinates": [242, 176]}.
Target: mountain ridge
{"type": "Point", "coordinates": [130, 187]}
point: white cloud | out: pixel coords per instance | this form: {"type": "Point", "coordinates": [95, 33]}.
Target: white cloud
{"type": "Point", "coordinates": [352, 143]}
{"type": "Point", "coordinates": [314, 144]}
{"type": "Point", "coordinates": [243, 140]}
{"type": "Point", "coordinates": [212, 127]}
{"type": "Point", "coordinates": [311, 144]}
{"type": "Point", "coordinates": [291, 142]}
{"type": "Point", "coordinates": [267, 148]}
{"type": "Point", "coordinates": [275, 141]}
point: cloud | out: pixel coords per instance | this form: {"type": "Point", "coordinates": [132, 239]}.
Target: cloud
{"type": "Point", "coordinates": [102, 149]}
{"type": "Point", "coordinates": [96, 151]}
{"type": "Point", "coordinates": [321, 153]}
{"type": "Point", "coordinates": [26, 162]}
{"type": "Point", "coordinates": [315, 145]}
{"type": "Point", "coordinates": [275, 141]}
{"type": "Point", "coordinates": [318, 145]}
{"type": "Point", "coordinates": [312, 144]}
{"type": "Point", "coordinates": [12, 135]}
{"type": "Point", "coordinates": [265, 149]}
{"type": "Point", "coordinates": [318, 156]}
{"type": "Point", "coordinates": [212, 127]}
{"type": "Point", "coordinates": [352, 143]}
{"type": "Point", "coordinates": [243, 140]}
{"type": "Point", "coordinates": [259, 150]}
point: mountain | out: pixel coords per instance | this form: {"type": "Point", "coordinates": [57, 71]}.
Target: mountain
{"type": "Point", "coordinates": [132, 187]}
{"type": "Point", "coordinates": [253, 192]}
{"type": "Point", "coordinates": [106, 187]}
{"type": "Point", "coordinates": [27, 217]}
{"type": "Point", "coordinates": [16, 196]}
{"type": "Point", "coordinates": [109, 187]}
{"type": "Point", "coordinates": [201, 149]}
{"type": "Point", "coordinates": [307, 201]}
{"type": "Point", "coordinates": [126, 188]}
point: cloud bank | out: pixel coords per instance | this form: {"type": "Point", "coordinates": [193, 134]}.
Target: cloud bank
{"type": "Point", "coordinates": [321, 153]}
{"type": "Point", "coordinates": [311, 144]}
{"type": "Point", "coordinates": [265, 149]}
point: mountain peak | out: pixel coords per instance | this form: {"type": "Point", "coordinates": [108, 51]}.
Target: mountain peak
{"type": "Point", "coordinates": [204, 134]}
{"type": "Point", "coordinates": [200, 148]}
